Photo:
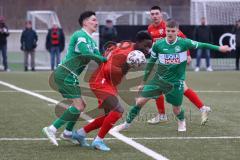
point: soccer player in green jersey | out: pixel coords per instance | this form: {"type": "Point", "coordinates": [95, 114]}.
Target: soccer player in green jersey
{"type": "Point", "coordinates": [82, 48]}
{"type": "Point", "coordinates": [171, 55]}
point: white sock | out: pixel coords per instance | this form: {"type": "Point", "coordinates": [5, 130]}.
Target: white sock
{"type": "Point", "coordinates": [82, 132]}
{"type": "Point", "coordinates": [52, 128]}
{"type": "Point", "coordinates": [202, 109]}
{"type": "Point", "coordinates": [98, 139]}
{"type": "Point", "coordinates": [68, 133]}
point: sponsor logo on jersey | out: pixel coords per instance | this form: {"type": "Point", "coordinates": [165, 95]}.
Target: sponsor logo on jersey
{"type": "Point", "coordinates": [172, 59]}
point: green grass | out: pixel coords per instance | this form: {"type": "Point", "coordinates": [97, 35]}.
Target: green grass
{"type": "Point", "coordinates": [23, 116]}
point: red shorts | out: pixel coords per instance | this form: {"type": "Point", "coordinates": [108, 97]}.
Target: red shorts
{"type": "Point", "coordinates": [102, 89]}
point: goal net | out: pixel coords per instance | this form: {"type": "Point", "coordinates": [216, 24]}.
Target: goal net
{"type": "Point", "coordinates": [217, 12]}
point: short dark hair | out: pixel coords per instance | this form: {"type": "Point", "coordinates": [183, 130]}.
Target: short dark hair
{"type": "Point", "coordinates": [142, 35]}
{"type": "Point", "coordinates": [109, 21]}
{"type": "Point", "coordinates": [156, 8]}
{"type": "Point", "coordinates": [171, 23]}
{"type": "Point", "coordinates": [84, 16]}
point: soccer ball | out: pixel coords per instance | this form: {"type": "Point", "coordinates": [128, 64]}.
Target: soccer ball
{"type": "Point", "coordinates": [136, 58]}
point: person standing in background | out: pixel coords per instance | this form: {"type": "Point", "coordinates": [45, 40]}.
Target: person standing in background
{"type": "Point", "coordinates": [203, 33]}
{"type": "Point", "coordinates": [29, 40]}
{"type": "Point", "coordinates": [236, 31]}
{"type": "Point", "coordinates": [108, 34]}
{"type": "Point", "coordinates": [3, 42]}
{"type": "Point", "coordinates": [55, 43]}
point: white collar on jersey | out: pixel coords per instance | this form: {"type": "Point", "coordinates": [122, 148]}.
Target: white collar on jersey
{"type": "Point", "coordinates": [87, 32]}
{"type": "Point", "coordinates": [171, 43]}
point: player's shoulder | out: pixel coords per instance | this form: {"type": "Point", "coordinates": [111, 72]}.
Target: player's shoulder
{"type": "Point", "coordinates": [123, 49]}
{"type": "Point", "coordinates": [150, 26]}
{"type": "Point", "coordinates": [160, 41]}
{"type": "Point", "coordinates": [163, 23]}
{"type": "Point", "coordinates": [186, 41]}
{"type": "Point", "coordinates": [79, 35]}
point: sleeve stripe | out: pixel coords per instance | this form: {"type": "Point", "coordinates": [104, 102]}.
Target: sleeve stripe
{"type": "Point", "coordinates": [196, 45]}
{"type": "Point", "coordinates": [153, 54]}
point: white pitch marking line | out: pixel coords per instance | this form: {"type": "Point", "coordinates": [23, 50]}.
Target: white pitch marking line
{"type": "Point", "coordinates": [134, 138]}
{"type": "Point", "coordinates": [37, 91]}
{"type": "Point", "coordinates": [119, 136]}
{"type": "Point", "coordinates": [51, 91]}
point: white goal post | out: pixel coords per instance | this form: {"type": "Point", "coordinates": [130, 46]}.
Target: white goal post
{"type": "Point", "coordinates": [217, 12]}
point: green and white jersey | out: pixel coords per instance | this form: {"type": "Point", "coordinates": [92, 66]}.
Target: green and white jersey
{"type": "Point", "coordinates": [81, 45]}
{"type": "Point", "coordinates": [172, 58]}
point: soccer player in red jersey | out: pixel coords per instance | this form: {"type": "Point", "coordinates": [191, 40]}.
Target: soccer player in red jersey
{"type": "Point", "coordinates": [104, 81]}
{"type": "Point", "coordinates": [157, 29]}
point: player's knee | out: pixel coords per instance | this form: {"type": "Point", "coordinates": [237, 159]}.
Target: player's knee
{"type": "Point", "coordinates": [185, 86]}
{"type": "Point", "coordinates": [79, 104]}
{"type": "Point", "coordinates": [141, 101]}
{"type": "Point", "coordinates": [119, 108]}
{"type": "Point", "coordinates": [112, 104]}
{"type": "Point", "coordinates": [176, 110]}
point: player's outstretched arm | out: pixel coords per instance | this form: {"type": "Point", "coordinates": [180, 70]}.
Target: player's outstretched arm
{"type": "Point", "coordinates": [194, 45]}
{"type": "Point", "coordinates": [223, 49]}
{"type": "Point", "coordinates": [95, 57]}
{"type": "Point", "coordinates": [149, 67]}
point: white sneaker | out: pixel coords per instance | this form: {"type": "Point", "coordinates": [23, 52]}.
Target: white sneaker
{"type": "Point", "coordinates": [8, 70]}
{"type": "Point", "coordinates": [123, 126]}
{"type": "Point", "coordinates": [205, 110]}
{"type": "Point", "coordinates": [209, 69]}
{"type": "Point", "coordinates": [50, 135]}
{"type": "Point", "coordinates": [182, 126]}
{"type": "Point", "coordinates": [197, 69]}
{"type": "Point", "coordinates": [160, 118]}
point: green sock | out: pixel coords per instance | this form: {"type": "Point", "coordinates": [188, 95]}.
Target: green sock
{"type": "Point", "coordinates": [71, 114]}
{"type": "Point", "coordinates": [180, 116]}
{"type": "Point", "coordinates": [70, 125]}
{"type": "Point", "coordinates": [133, 112]}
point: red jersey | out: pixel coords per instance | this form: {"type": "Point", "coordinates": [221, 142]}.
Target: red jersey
{"type": "Point", "coordinates": [114, 69]}
{"type": "Point", "coordinates": [105, 79]}
{"type": "Point", "coordinates": [159, 32]}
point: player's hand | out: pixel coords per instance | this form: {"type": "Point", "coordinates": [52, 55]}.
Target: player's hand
{"type": "Point", "coordinates": [140, 87]}
{"type": "Point", "coordinates": [225, 48]}
{"type": "Point", "coordinates": [189, 59]}
{"type": "Point", "coordinates": [104, 59]}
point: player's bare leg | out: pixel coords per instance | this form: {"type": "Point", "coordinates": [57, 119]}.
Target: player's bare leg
{"type": "Point", "coordinates": [71, 114]}
{"type": "Point", "coordinates": [133, 112]}
{"type": "Point", "coordinates": [194, 98]}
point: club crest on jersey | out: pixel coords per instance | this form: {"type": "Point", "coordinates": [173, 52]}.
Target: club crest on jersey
{"type": "Point", "coordinates": [177, 49]}
{"type": "Point", "coordinates": [172, 59]}
{"type": "Point", "coordinates": [161, 31]}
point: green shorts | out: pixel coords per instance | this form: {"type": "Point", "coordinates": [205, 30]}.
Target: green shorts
{"type": "Point", "coordinates": [156, 87]}
{"type": "Point", "coordinates": [66, 83]}
{"type": "Point", "coordinates": [175, 96]}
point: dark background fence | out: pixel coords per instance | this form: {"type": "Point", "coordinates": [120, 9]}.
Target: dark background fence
{"type": "Point", "coordinates": [129, 32]}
